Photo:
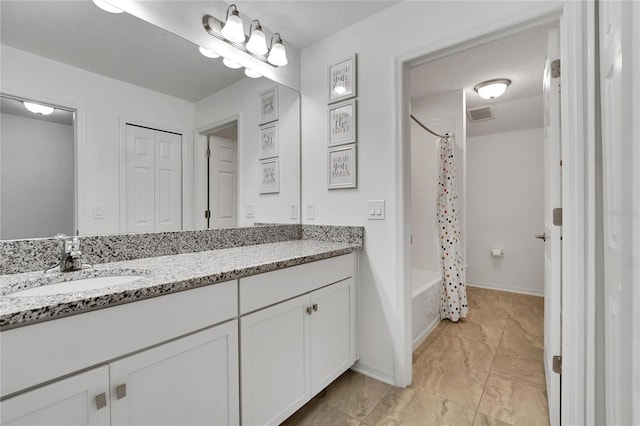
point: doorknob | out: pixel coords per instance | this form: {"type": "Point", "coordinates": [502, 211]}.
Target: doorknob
{"type": "Point", "coordinates": [542, 237]}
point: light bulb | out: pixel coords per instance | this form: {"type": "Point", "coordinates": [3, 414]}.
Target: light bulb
{"type": "Point", "coordinates": [231, 64]}
{"type": "Point", "coordinates": [492, 89]}
{"type": "Point", "coordinates": [257, 42]}
{"type": "Point", "coordinates": [233, 29]}
{"type": "Point", "coordinates": [277, 55]}
{"type": "Point", "coordinates": [208, 53]}
{"type": "Point", "coordinates": [107, 7]}
{"type": "Point", "coordinates": [251, 73]}
{"type": "Point", "coordinates": [38, 109]}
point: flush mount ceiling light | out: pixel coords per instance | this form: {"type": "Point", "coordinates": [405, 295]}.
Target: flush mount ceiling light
{"type": "Point", "coordinates": [233, 29]}
{"type": "Point", "coordinates": [491, 89]}
{"type": "Point", "coordinates": [38, 109]}
{"type": "Point", "coordinates": [107, 7]}
{"type": "Point", "coordinates": [208, 53]}
{"type": "Point", "coordinates": [257, 41]}
{"type": "Point", "coordinates": [277, 54]}
{"type": "Point", "coordinates": [255, 47]}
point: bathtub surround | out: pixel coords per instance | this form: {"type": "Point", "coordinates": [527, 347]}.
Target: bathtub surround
{"type": "Point", "coordinates": [38, 254]}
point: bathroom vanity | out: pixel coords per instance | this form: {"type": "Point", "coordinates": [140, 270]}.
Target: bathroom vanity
{"type": "Point", "coordinates": [195, 337]}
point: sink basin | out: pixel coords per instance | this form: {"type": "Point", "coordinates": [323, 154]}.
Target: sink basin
{"type": "Point", "coordinates": [76, 285]}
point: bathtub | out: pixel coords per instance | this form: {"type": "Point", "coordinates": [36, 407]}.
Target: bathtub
{"type": "Point", "coordinates": [426, 286]}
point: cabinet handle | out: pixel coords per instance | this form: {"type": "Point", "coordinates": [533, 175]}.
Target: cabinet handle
{"type": "Point", "coordinates": [101, 400]}
{"type": "Point", "coordinates": [309, 311]}
{"type": "Point", "coordinates": [315, 307]}
{"type": "Point", "coordinates": [121, 391]}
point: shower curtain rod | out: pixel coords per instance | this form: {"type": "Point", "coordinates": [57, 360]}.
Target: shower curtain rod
{"type": "Point", "coordinates": [447, 135]}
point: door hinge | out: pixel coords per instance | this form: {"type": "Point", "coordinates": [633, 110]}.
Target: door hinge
{"type": "Point", "coordinates": [557, 216]}
{"type": "Point", "coordinates": [555, 68]}
{"type": "Point", "coordinates": [207, 214]}
{"type": "Point", "coordinates": [208, 153]}
{"type": "Point", "coordinates": [557, 364]}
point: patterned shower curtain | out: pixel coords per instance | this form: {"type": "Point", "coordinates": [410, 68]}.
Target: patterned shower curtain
{"type": "Point", "coordinates": [453, 304]}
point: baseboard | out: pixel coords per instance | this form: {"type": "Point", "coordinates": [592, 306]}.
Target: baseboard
{"type": "Point", "coordinates": [491, 286]}
{"type": "Point", "coordinates": [421, 338]}
{"type": "Point", "coordinates": [373, 373]}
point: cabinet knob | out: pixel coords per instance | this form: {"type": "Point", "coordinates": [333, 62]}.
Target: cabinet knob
{"type": "Point", "coordinates": [121, 391]}
{"type": "Point", "coordinates": [309, 311]}
{"type": "Point", "coordinates": [101, 400]}
{"type": "Point", "coordinates": [315, 307]}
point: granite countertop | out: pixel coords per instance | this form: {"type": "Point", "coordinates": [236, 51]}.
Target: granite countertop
{"type": "Point", "coordinates": [160, 275]}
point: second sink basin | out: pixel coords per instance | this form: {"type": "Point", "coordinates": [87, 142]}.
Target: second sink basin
{"type": "Point", "coordinates": [76, 285]}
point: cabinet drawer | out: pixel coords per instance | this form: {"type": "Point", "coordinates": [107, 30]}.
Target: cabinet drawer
{"type": "Point", "coordinates": [40, 352]}
{"type": "Point", "coordinates": [258, 291]}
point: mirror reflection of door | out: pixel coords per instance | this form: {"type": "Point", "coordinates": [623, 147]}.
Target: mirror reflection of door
{"type": "Point", "coordinates": [153, 180]}
{"type": "Point", "coordinates": [37, 169]}
{"type": "Point", "coordinates": [223, 177]}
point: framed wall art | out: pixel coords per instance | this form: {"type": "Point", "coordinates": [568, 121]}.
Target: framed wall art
{"type": "Point", "coordinates": [342, 164]}
{"type": "Point", "coordinates": [268, 106]}
{"type": "Point", "coordinates": [342, 123]}
{"type": "Point", "coordinates": [268, 140]}
{"type": "Point", "coordinates": [342, 79]}
{"type": "Point", "coordinates": [269, 176]}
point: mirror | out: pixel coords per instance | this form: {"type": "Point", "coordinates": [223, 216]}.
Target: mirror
{"type": "Point", "coordinates": [131, 86]}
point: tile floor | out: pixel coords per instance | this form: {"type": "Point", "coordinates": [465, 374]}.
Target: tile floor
{"type": "Point", "coordinates": [485, 370]}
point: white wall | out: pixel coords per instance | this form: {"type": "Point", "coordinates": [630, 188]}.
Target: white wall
{"type": "Point", "coordinates": [419, 24]}
{"type": "Point", "coordinates": [441, 113]}
{"type": "Point", "coordinates": [505, 205]}
{"type": "Point", "coordinates": [101, 103]}
{"type": "Point", "coordinates": [241, 101]}
{"type": "Point", "coordinates": [33, 204]}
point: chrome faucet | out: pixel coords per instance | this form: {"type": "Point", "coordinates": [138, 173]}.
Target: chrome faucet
{"type": "Point", "coordinates": [71, 256]}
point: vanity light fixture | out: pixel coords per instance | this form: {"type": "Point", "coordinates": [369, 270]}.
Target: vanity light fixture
{"type": "Point", "coordinates": [208, 53]}
{"type": "Point", "coordinates": [233, 29]}
{"type": "Point", "coordinates": [251, 73]}
{"type": "Point", "coordinates": [277, 54]}
{"type": "Point", "coordinates": [256, 47]}
{"type": "Point", "coordinates": [257, 41]}
{"type": "Point", "coordinates": [37, 108]}
{"type": "Point", "coordinates": [491, 89]}
{"type": "Point", "coordinates": [107, 7]}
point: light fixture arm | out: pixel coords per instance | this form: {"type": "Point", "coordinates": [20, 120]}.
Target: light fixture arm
{"type": "Point", "coordinates": [235, 11]}
{"type": "Point", "coordinates": [257, 27]}
{"type": "Point", "coordinates": [278, 39]}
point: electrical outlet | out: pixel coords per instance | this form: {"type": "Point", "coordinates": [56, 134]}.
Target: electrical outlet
{"type": "Point", "coordinates": [249, 211]}
{"type": "Point", "coordinates": [293, 211]}
{"type": "Point", "coordinates": [311, 211]}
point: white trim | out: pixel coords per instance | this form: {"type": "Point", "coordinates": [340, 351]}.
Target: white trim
{"type": "Point", "coordinates": [492, 286]}
{"type": "Point", "coordinates": [577, 56]}
{"type": "Point", "coordinates": [373, 373]}
{"type": "Point", "coordinates": [426, 332]}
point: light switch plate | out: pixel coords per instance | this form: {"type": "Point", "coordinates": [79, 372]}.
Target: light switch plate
{"type": "Point", "coordinates": [249, 211]}
{"type": "Point", "coordinates": [375, 209]}
{"type": "Point", "coordinates": [311, 211]}
{"type": "Point", "coordinates": [98, 212]}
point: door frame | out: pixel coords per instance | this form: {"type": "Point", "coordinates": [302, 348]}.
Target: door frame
{"type": "Point", "coordinates": [200, 167]}
{"type": "Point", "coordinates": [577, 35]}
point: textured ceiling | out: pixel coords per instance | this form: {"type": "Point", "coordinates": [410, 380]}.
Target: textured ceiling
{"type": "Point", "coordinates": [126, 48]}
{"type": "Point", "coordinates": [519, 57]}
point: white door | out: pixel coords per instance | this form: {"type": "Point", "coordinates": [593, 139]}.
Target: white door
{"type": "Point", "coordinates": [553, 233]}
{"type": "Point", "coordinates": [620, 91]}
{"type": "Point", "coordinates": [275, 362]}
{"type": "Point", "coordinates": [140, 179]}
{"type": "Point", "coordinates": [79, 400]}
{"type": "Point", "coordinates": [332, 333]}
{"type": "Point", "coordinates": [168, 190]}
{"type": "Point", "coordinates": [223, 182]}
{"type": "Point", "coordinates": [190, 381]}
{"type": "Point", "coordinates": [153, 174]}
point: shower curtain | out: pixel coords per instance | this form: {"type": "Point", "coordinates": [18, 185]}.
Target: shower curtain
{"type": "Point", "coordinates": [453, 304]}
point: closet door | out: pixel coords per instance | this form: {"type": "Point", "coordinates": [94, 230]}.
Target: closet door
{"type": "Point", "coordinates": [153, 167]}
{"type": "Point", "coordinates": [140, 178]}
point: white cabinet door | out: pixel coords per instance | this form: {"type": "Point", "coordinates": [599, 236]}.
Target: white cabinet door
{"type": "Point", "coordinates": [333, 329]}
{"type": "Point", "coordinates": [275, 362]}
{"type": "Point", "coordinates": [189, 381]}
{"type": "Point", "coordinates": [71, 401]}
